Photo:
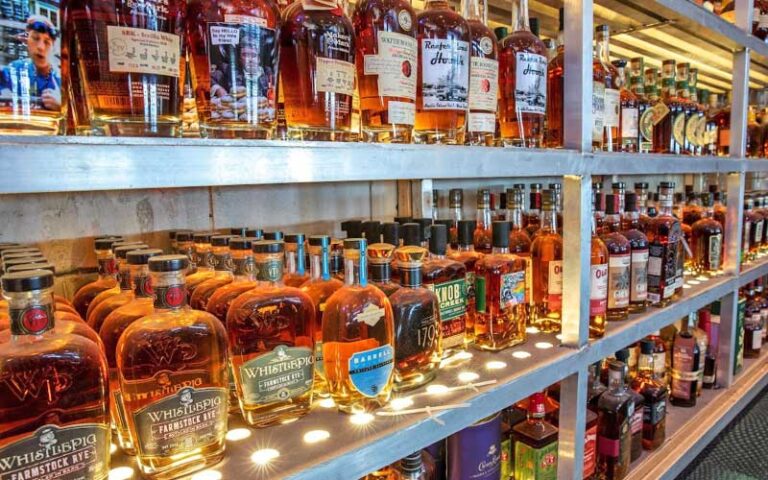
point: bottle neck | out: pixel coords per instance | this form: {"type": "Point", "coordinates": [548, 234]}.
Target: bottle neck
{"type": "Point", "coordinates": [642, 202]}
{"type": "Point", "coordinates": [31, 312]}
{"type": "Point", "coordinates": [269, 268]}
{"type": "Point", "coordinates": [204, 257]}
{"type": "Point", "coordinates": [515, 217]}
{"type": "Point", "coordinates": [472, 10]}
{"type": "Point", "coordinates": [484, 216]}
{"type": "Point", "coordinates": [456, 214]}
{"type": "Point", "coordinates": [631, 219]}
{"type": "Point", "coordinates": [466, 248]}
{"type": "Point", "coordinates": [244, 266]}
{"type": "Point", "coordinates": [613, 222]}
{"type": "Point", "coordinates": [355, 271]}
{"type": "Point", "coordinates": [520, 16]}
{"type": "Point", "coordinates": [319, 265]}
{"type": "Point", "coordinates": [222, 259]}
{"type": "Point", "coordinates": [380, 272]}
{"type": "Point", "coordinates": [435, 4]}
{"type": "Point", "coordinates": [549, 220]}
{"type": "Point", "coordinates": [107, 264]}
{"type": "Point", "coordinates": [665, 203]}
{"type": "Point", "coordinates": [170, 290]}
{"type": "Point", "coordinates": [615, 381]}
{"type": "Point", "coordinates": [124, 276]}
{"type": "Point", "coordinates": [295, 259]}
{"type": "Point", "coordinates": [141, 281]}
{"type": "Point", "coordinates": [410, 276]}
{"type": "Point", "coordinates": [645, 365]}
{"type": "Point", "coordinates": [603, 46]}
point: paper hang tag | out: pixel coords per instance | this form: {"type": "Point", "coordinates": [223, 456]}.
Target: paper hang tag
{"type": "Point", "coordinates": [319, 4]}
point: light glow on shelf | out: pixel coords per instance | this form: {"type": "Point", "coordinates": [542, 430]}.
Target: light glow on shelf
{"type": "Point", "coordinates": [702, 278]}
{"type": "Point", "coordinates": [687, 286]}
{"type": "Point", "coordinates": [237, 434]}
{"type": "Point", "coordinates": [112, 448]}
{"type": "Point", "coordinates": [543, 345]}
{"type": "Point", "coordinates": [327, 403]}
{"type": "Point", "coordinates": [693, 282]}
{"type": "Point", "coordinates": [468, 376]}
{"type": "Point", "coordinates": [360, 419]}
{"type": "Point", "coordinates": [207, 475]}
{"type": "Point", "coordinates": [121, 473]}
{"type": "Point", "coordinates": [264, 456]}
{"type": "Point", "coordinates": [315, 436]}
{"type": "Point", "coordinates": [437, 389]}
{"type": "Point", "coordinates": [559, 336]}
{"type": "Point", "coordinates": [400, 403]}
{"type": "Point", "coordinates": [521, 354]}
{"type": "Point", "coordinates": [495, 365]}
{"type": "Point", "coordinates": [532, 330]}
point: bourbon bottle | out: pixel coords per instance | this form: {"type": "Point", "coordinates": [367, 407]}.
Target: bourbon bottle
{"type": "Point", "coordinates": [523, 84]}
{"type": "Point", "coordinates": [172, 364]}
{"type": "Point", "coordinates": [386, 69]}
{"type": "Point", "coordinates": [615, 410]}
{"type": "Point", "coordinates": [547, 266]}
{"type": "Point", "coordinates": [556, 88]}
{"type": "Point", "coordinates": [638, 88]}
{"type": "Point", "coordinates": [612, 93]}
{"type": "Point", "coordinates": [456, 206]}
{"type": "Point", "coordinates": [482, 235]}
{"type": "Point", "coordinates": [619, 261]}
{"type": "Point", "coordinates": [483, 75]}
{"type": "Point", "coordinates": [466, 254]}
{"type": "Point", "coordinates": [243, 279]}
{"type": "Point", "coordinates": [629, 133]}
{"type": "Point", "coordinates": [664, 237]}
{"type": "Point", "coordinates": [222, 273]}
{"type": "Point", "coordinates": [203, 263]}
{"type": "Point", "coordinates": [638, 242]}
{"type": "Point", "coordinates": [317, 54]}
{"type": "Point", "coordinates": [272, 343]}
{"type": "Point", "coordinates": [532, 217]}
{"type": "Point", "coordinates": [107, 276]}
{"type": "Point", "coordinates": [598, 285]}
{"type": "Point", "coordinates": [655, 393]}
{"type": "Point", "coordinates": [707, 239]}
{"type": "Point", "coordinates": [295, 260]}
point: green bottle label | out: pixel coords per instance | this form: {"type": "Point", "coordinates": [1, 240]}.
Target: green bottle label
{"type": "Point", "coordinates": [277, 376]}
{"type": "Point", "coordinates": [506, 458]}
{"type": "Point", "coordinates": [535, 463]}
{"type": "Point", "coordinates": [480, 294]}
{"type": "Point", "coordinates": [452, 300]}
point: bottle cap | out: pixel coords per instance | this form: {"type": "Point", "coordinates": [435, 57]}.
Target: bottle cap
{"type": "Point", "coordinates": [27, 281]}
{"type": "Point", "coordinates": [276, 235]}
{"type": "Point", "coordinates": [483, 198]}
{"type": "Point", "coordinates": [355, 248]}
{"type": "Point", "coordinates": [237, 231]}
{"type": "Point", "coordinates": [353, 228]}
{"type": "Point", "coordinates": [411, 234]}
{"type": "Point", "coordinates": [667, 184]}
{"type": "Point", "coordinates": [535, 186]}
{"type": "Point", "coordinates": [390, 233]}
{"type": "Point", "coordinates": [536, 408]}
{"type": "Point", "coordinates": [31, 266]}
{"type": "Point", "coordinates": [319, 241]}
{"type": "Point", "coordinates": [184, 236]}
{"type": "Point", "coordinates": [619, 186]}
{"type": "Point", "coordinates": [548, 200]}
{"type": "Point", "coordinates": [617, 366]}
{"type": "Point", "coordinates": [168, 263]}
{"type": "Point", "coordinates": [410, 256]}
{"type": "Point", "coordinates": [254, 233]}
{"type": "Point", "coordinates": [555, 186]}
{"type": "Point", "coordinates": [713, 188]}
{"type": "Point", "coordinates": [688, 189]}
{"type": "Point", "coordinates": [602, 29]}
{"type": "Point", "coordinates": [268, 246]}
{"type": "Point", "coordinates": [561, 19]}
{"type": "Point", "coordinates": [106, 243]}
{"type": "Point", "coordinates": [647, 346]}
{"type": "Point", "coordinates": [456, 195]}
{"type": "Point", "coordinates": [678, 197]}
{"type": "Point", "coordinates": [611, 204]}
{"type": "Point", "coordinates": [641, 186]}
{"type": "Point", "coordinates": [294, 238]}
{"type": "Point", "coordinates": [424, 223]}
{"type": "Point", "coordinates": [707, 199]}
{"type": "Point", "coordinates": [121, 252]}
{"type": "Point", "coordinates": [240, 243]}
{"type": "Point", "coordinates": [630, 202]}
{"type": "Point", "coordinates": [501, 33]}
{"type": "Point", "coordinates": [220, 240]}
{"type": "Point", "coordinates": [372, 231]}
{"type": "Point", "coordinates": [622, 355]}
{"type": "Point", "coordinates": [620, 63]}
{"type": "Point", "coordinates": [466, 232]}
{"type": "Point", "coordinates": [381, 253]}
{"type": "Point", "coordinates": [438, 239]}
{"type": "Point", "coordinates": [500, 233]}
{"type": "Point", "coordinates": [202, 237]}
{"type": "Point", "coordinates": [141, 257]}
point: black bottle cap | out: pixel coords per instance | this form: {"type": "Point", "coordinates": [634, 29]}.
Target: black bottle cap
{"type": "Point", "coordinates": [240, 243]}
{"type": "Point", "coordinates": [319, 241]}
{"type": "Point", "coordinates": [141, 257]}
{"type": "Point", "coordinates": [268, 246]}
{"type": "Point", "coordinates": [184, 236]}
{"type": "Point", "coordinates": [561, 19]}
{"type": "Point", "coordinates": [533, 22]}
{"type": "Point", "coordinates": [630, 202]}
{"type": "Point", "coordinates": [519, 186]}
{"type": "Point", "coordinates": [617, 366]}
{"type": "Point", "coordinates": [106, 243]}
{"type": "Point", "coordinates": [355, 244]}
{"type": "Point", "coordinates": [202, 237]}
{"type": "Point", "coordinates": [220, 240]}
{"type": "Point", "coordinates": [456, 195]}
{"type": "Point", "coordinates": [603, 29]}
{"type": "Point", "coordinates": [372, 231]}
{"type": "Point", "coordinates": [121, 252]}
{"type": "Point", "coordinates": [438, 239]}
{"type": "Point", "coordinates": [32, 266]}
{"type": "Point", "coordinates": [641, 186]}
{"type": "Point", "coordinates": [502, 200]}
{"type": "Point", "coordinates": [678, 197]}
{"type": "Point", "coordinates": [276, 235]}
{"type": "Point", "coordinates": [713, 188]}
{"type": "Point", "coordinates": [667, 184]}
{"type": "Point", "coordinates": [555, 186]}
{"type": "Point", "coordinates": [390, 233]}
{"type": "Point", "coordinates": [27, 281]}
{"type": "Point", "coordinates": [611, 204]}
{"type": "Point", "coordinates": [353, 228]}
{"type": "Point", "coordinates": [622, 355]}
{"type": "Point", "coordinates": [294, 238]}
{"type": "Point", "coordinates": [707, 199]}
{"type": "Point", "coordinates": [500, 232]}
{"type": "Point", "coordinates": [168, 263]}
{"type": "Point", "coordinates": [688, 189]}
{"type": "Point", "coordinates": [620, 63]}
{"type": "Point", "coordinates": [239, 231]}
{"type": "Point", "coordinates": [172, 234]}
{"type": "Point", "coordinates": [24, 261]}
{"type": "Point", "coordinates": [647, 346]}
{"type": "Point", "coordinates": [466, 232]}
{"type": "Point", "coordinates": [254, 233]}
{"type": "Point", "coordinates": [411, 234]}
{"type": "Point", "coordinates": [619, 185]}
{"type": "Point", "coordinates": [535, 186]}
{"type": "Point", "coordinates": [424, 224]}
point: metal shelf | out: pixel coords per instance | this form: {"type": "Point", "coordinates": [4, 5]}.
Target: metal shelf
{"type": "Point", "coordinates": [752, 271]}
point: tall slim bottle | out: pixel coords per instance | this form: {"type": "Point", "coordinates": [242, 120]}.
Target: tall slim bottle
{"type": "Point", "coordinates": [612, 94]}
{"type": "Point", "coordinates": [664, 237]}
{"type": "Point", "coordinates": [638, 274]}
{"type": "Point", "coordinates": [547, 263]}
{"type": "Point", "coordinates": [483, 75]}
{"type": "Point", "coordinates": [619, 261]}
{"type": "Point", "coordinates": [482, 235]}
{"type": "Point", "coordinates": [556, 89]}
{"type": "Point", "coordinates": [614, 439]}
{"type": "Point", "coordinates": [598, 285]}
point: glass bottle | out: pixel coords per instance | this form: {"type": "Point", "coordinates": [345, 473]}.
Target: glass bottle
{"type": "Point", "coordinates": [358, 338]}
{"type": "Point", "coordinates": [547, 269]}
{"type": "Point", "coordinates": [645, 115]}
{"type": "Point", "coordinates": [456, 205]}
{"type": "Point", "coordinates": [664, 237]}
{"type": "Point", "coordinates": [599, 79]}
{"type": "Point", "coordinates": [174, 357]}
{"type": "Point", "coordinates": [653, 120]}
{"type": "Point", "coordinates": [598, 285]}
{"type": "Point", "coordinates": [523, 83]}
{"type": "Point", "coordinates": [483, 75]}
{"type": "Point", "coordinates": [615, 410]}
{"type": "Point", "coordinates": [185, 245]}
{"type": "Point", "coordinates": [629, 357]}
{"type": "Point", "coordinates": [722, 118]}
{"type": "Point", "coordinates": [556, 88]}
{"type": "Point", "coordinates": [380, 260]}
{"type": "Point", "coordinates": [106, 301]}
{"type": "Point", "coordinates": [655, 394]}
{"type": "Point", "coordinates": [317, 52]}
{"type": "Point", "coordinates": [535, 443]}
{"type": "Point", "coordinates": [442, 88]}
{"type": "Point", "coordinates": [132, 65]}
{"type": "Point", "coordinates": [386, 59]}
{"type": "Point", "coordinates": [612, 93]}
{"type": "Point", "coordinates": [466, 254]}
{"type": "Point", "coordinates": [520, 241]}
{"type": "Point", "coordinates": [482, 235]}
{"type": "Point", "coordinates": [295, 260]}
{"type": "Point", "coordinates": [697, 118]}
{"type": "Point", "coordinates": [638, 242]}
{"type": "Point", "coordinates": [272, 343]}
{"type": "Point", "coordinates": [55, 385]}
{"type": "Point", "coordinates": [595, 389]}
{"type": "Point", "coordinates": [628, 131]}
{"type": "Point", "coordinates": [107, 276]}
{"type": "Point", "coordinates": [686, 362]}
{"type": "Point", "coordinates": [417, 323]}
{"type": "Point", "coordinates": [532, 218]}
{"type": "Point", "coordinates": [707, 239]}
{"type": "Point", "coordinates": [754, 324]}
{"type": "Point", "coordinates": [710, 324]}
{"type": "Point", "coordinates": [619, 261]}
{"type": "Point", "coordinates": [598, 206]}
{"type": "Point", "coordinates": [222, 273]}
{"type": "Point", "coordinates": [500, 295]}
{"type": "Point", "coordinates": [202, 267]}
{"type": "Point", "coordinates": [243, 278]}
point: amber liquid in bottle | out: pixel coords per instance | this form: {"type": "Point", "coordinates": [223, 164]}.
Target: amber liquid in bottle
{"type": "Point", "coordinates": [202, 263]}
{"type": "Point", "coordinates": [615, 408]}
{"type": "Point", "coordinates": [598, 296]}
{"type": "Point", "coordinates": [222, 275]}
{"type": "Point", "coordinates": [484, 76]}
{"type": "Point", "coordinates": [482, 235]}
{"type": "Point", "coordinates": [655, 394]}
{"type": "Point", "coordinates": [664, 235]}
{"type": "Point", "coordinates": [707, 240]}
{"type": "Point", "coordinates": [619, 263]}
{"type": "Point", "coordinates": [547, 263]}
{"type": "Point", "coordinates": [466, 254]}
{"type": "Point", "coordinates": [107, 280]}
{"type": "Point", "coordinates": [556, 92]}
{"type": "Point", "coordinates": [638, 242]}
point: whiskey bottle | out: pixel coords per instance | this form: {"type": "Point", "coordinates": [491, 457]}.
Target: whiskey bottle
{"type": "Point", "coordinates": [696, 123]}
{"type": "Point", "coordinates": [686, 362]}
{"type": "Point", "coordinates": [523, 83]}
{"type": "Point", "coordinates": [655, 393]}
{"type": "Point", "coordinates": [612, 93]}
{"type": "Point", "coordinates": [619, 261]}
{"type": "Point", "coordinates": [204, 262]}
{"type": "Point", "coordinates": [520, 241]}
{"type": "Point", "coordinates": [447, 279]}
{"type": "Point", "coordinates": [644, 121]}
{"type": "Point", "coordinates": [482, 235]}
{"type": "Point", "coordinates": [133, 64]}
{"type": "Point", "coordinates": [638, 242]}
{"type": "Point", "coordinates": [295, 260]}
{"type": "Point", "coordinates": [139, 305]}
{"type": "Point", "coordinates": [107, 275]}
{"type": "Point", "coordinates": [466, 254]}
{"type": "Point", "coordinates": [500, 295]}
{"type": "Point", "coordinates": [598, 285]}
{"type": "Point", "coordinates": [754, 324]}
{"type": "Point", "coordinates": [272, 343]}
{"type": "Point", "coordinates": [386, 59]}
{"type": "Point", "coordinates": [615, 410]}
{"type": "Point", "coordinates": [380, 260]}
{"type": "Point", "coordinates": [629, 132]}
{"type": "Point", "coordinates": [556, 88]}
{"type": "Point", "coordinates": [234, 54]}
{"type": "Point", "coordinates": [707, 239]}
{"type": "Point", "coordinates": [641, 190]}
{"type": "Point", "coordinates": [173, 364]}
{"type": "Point", "coordinates": [483, 75]}
{"type": "Point", "coordinates": [417, 322]}
{"type": "Point", "coordinates": [358, 337]}
{"type": "Point", "coordinates": [668, 135]}
{"type": "Point", "coordinates": [317, 54]}
{"type": "Point", "coordinates": [222, 272]}
{"type": "Point", "coordinates": [547, 269]}
{"type": "Point", "coordinates": [628, 356]}
{"type": "Point", "coordinates": [535, 443]}
{"type": "Point", "coordinates": [185, 245]}
{"type": "Point", "coordinates": [664, 236]}
{"type": "Point", "coordinates": [243, 279]}
{"type": "Point", "coordinates": [656, 120]}
{"type": "Point", "coordinates": [319, 288]}
{"type": "Point", "coordinates": [558, 189]}
{"type": "Point", "coordinates": [710, 324]}
{"type": "Point", "coordinates": [55, 388]}
{"type": "Point", "coordinates": [455, 205]}
{"type": "Point", "coordinates": [442, 89]}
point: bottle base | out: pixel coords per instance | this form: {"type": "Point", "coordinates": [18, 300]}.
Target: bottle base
{"type": "Point", "coordinates": [32, 125]}
{"type": "Point", "coordinates": [167, 468]}
{"type": "Point", "coordinates": [480, 139]}
{"type": "Point", "coordinates": [136, 127]}
{"type": "Point", "coordinates": [393, 134]}
{"type": "Point", "coordinates": [431, 137]}
{"type": "Point", "coordinates": [315, 134]}
{"type": "Point", "coordinates": [276, 413]}
{"type": "Point", "coordinates": [235, 131]}
{"type": "Point", "coordinates": [413, 380]}
{"type": "Point", "coordinates": [491, 346]}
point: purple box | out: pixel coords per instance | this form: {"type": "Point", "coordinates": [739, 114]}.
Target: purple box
{"type": "Point", "coordinates": [475, 452]}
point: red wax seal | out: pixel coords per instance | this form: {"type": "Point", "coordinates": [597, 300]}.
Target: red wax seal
{"type": "Point", "coordinates": [406, 68]}
{"type": "Point", "coordinates": [35, 320]}
{"type": "Point", "coordinates": [146, 286]}
{"type": "Point", "coordinates": [485, 85]}
{"type": "Point", "coordinates": [174, 296]}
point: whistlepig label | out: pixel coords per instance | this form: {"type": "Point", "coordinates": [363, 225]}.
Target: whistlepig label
{"type": "Point", "coordinates": [277, 376]}
{"type": "Point", "coordinates": [79, 452]}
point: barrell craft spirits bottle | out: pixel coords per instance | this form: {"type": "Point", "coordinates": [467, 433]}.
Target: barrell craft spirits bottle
{"type": "Point", "coordinates": [522, 84]}
{"type": "Point", "coordinates": [358, 338]}
{"type": "Point", "coordinates": [482, 235]}
{"type": "Point", "coordinates": [103, 304]}
{"type": "Point", "coordinates": [664, 237]}
{"type": "Point", "coordinates": [619, 261]}
{"type": "Point", "coordinates": [54, 392]}
{"type": "Point", "coordinates": [107, 275]}
{"type": "Point", "coordinates": [386, 59]}
{"type": "Point", "coordinates": [615, 410]}
{"type": "Point", "coordinates": [295, 260]}
{"type": "Point", "coordinates": [417, 322]}
{"type": "Point", "coordinates": [556, 88]}
{"type": "Point", "coordinates": [707, 239]}
{"type": "Point", "coordinates": [598, 285]}
{"type": "Point", "coordinates": [380, 260]}
{"type": "Point", "coordinates": [638, 242]}
{"type": "Point", "coordinates": [317, 54]}
{"type": "Point", "coordinates": [222, 273]}
{"type": "Point", "coordinates": [172, 364]}
{"type": "Point", "coordinates": [654, 393]}
{"type": "Point", "coordinates": [234, 51]}
{"type": "Point", "coordinates": [483, 75]}
{"type": "Point", "coordinates": [203, 264]}
{"type": "Point", "coordinates": [132, 63]}
{"type": "Point", "coordinates": [612, 93]}
{"type": "Point", "coordinates": [243, 278]}
{"type": "Point", "coordinates": [629, 133]}
{"type": "Point", "coordinates": [272, 343]}
{"type": "Point", "coordinates": [535, 442]}
{"type": "Point", "coordinates": [466, 254]}
{"type": "Point", "coordinates": [442, 89]}
{"type": "Point", "coordinates": [319, 288]}
{"type": "Point", "coordinates": [447, 278]}
{"type": "Point", "coordinates": [547, 269]}
{"type": "Point", "coordinates": [500, 300]}
{"type": "Point", "coordinates": [686, 362]}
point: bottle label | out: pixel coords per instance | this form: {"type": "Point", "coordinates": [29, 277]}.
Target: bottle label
{"type": "Point", "coordinates": [480, 299]}
{"type": "Point", "coordinates": [629, 125]}
{"type": "Point", "coordinates": [512, 289]}
{"type": "Point", "coordinates": [637, 421]}
{"type": "Point", "coordinates": [452, 300]}
{"type": "Point", "coordinates": [590, 451]}
{"type": "Point", "coordinates": [757, 339]}
{"type": "Point", "coordinates": [170, 296]}
{"type": "Point", "coordinates": [724, 136]}
{"type": "Point", "coordinates": [244, 266]}
{"type": "Point", "coordinates": [483, 84]}
{"type": "Point", "coordinates": [401, 113]}
{"type": "Point", "coordinates": [598, 111]}
{"type": "Point", "coordinates": [538, 463]}
{"type": "Point", "coordinates": [64, 453]}
{"type": "Point", "coordinates": [662, 266]}
{"type": "Point", "coordinates": [395, 65]}
{"type": "Point", "coordinates": [370, 315]}
{"type": "Point", "coordinates": [555, 285]}
{"type": "Point", "coordinates": [715, 250]}
{"type": "Point", "coordinates": [660, 365]}
{"type": "Point", "coordinates": [481, 122]}
{"type": "Point", "coordinates": [107, 266]}
{"type": "Point", "coordinates": [609, 447]}
{"type": "Point", "coordinates": [758, 233]}
{"type": "Point", "coordinates": [32, 320]}
{"type": "Point", "coordinates": [639, 288]}
{"type": "Point", "coordinates": [370, 370]}
{"type": "Point", "coordinates": [335, 76]}
{"type": "Point", "coordinates": [691, 128]}
{"type": "Point", "coordinates": [683, 364]}
{"type": "Point", "coordinates": [223, 262]}
{"type": "Point", "coordinates": [646, 125]}
{"type": "Point", "coordinates": [619, 280]}
{"type": "Point", "coordinates": [655, 412]}
{"type": "Point", "coordinates": [506, 457]}
{"type": "Point", "coordinates": [530, 83]}
{"type": "Point", "coordinates": [137, 50]}
{"type": "Point", "coordinates": [678, 128]}
{"type": "Point", "coordinates": [598, 291]}
{"type": "Point", "coordinates": [612, 106]}
{"type": "Point", "coordinates": [124, 278]}
{"type": "Point", "coordinates": [277, 376]}
{"type": "Point", "coordinates": [270, 270]}
{"type": "Point", "coordinates": [204, 259]}
{"type": "Point", "coordinates": [445, 74]}
{"type": "Point", "coordinates": [417, 333]}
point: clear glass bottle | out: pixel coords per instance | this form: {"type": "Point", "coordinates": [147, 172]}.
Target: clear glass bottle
{"type": "Point", "coordinates": [556, 89]}
{"type": "Point", "coordinates": [456, 205]}
{"type": "Point", "coordinates": [612, 93]}
{"type": "Point", "coordinates": [174, 357]}
{"type": "Point", "coordinates": [202, 267]}
{"type": "Point", "coordinates": [223, 267]}
{"type": "Point", "coordinates": [598, 284]}
{"type": "Point", "coordinates": [638, 242]}
{"type": "Point", "coordinates": [615, 410]}
{"type": "Point", "coordinates": [535, 442]}
{"type": "Point", "coordinates": [466, 254]}
{"type": "Point", "coordinates": [686, 363]}
{"type": "Point", "coordinates": [295, 260]}
{"type": "Point", "coordinates": [380, 261]}
{"type": "Point", "coordinates": [664, 236]}
{"type": "Point", "coordinates": [244, 278]}
{"type": "Point", "coordinates": [547, 269]}
{"type": "Point", "coordinates": [107, 276]}
{"type": "Point", "coordinates": [358, 337]}
{"type": "Point", "coordinates": [482, 235]}
{"type": "Point", "coordinates": [619, 261]}
{"type": "Point", "coordinates": [483, 75]}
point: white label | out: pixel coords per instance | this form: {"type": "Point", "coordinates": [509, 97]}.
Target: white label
{"type": "Point", "coordinates": [612, 105]}
{"type": "Point", "coordinates": [445, 74]}
{"type": "Point", "coordinates": [224, 35]}
{"type": "Point", "coordinates": [654, 266]}
{"type": "Point", "coordinates": [757, 339]}
{"type": "Point", "coordinates": [639, 273]}
{"type": "Point", "coordinates": [402, 113]}
{"type": "Point", "coordinates": [629, 123]}
{"type": "Point", "coordinates": [618, 280]}
{"type": "Point", "coordinates": [481, 122]}
{"type": "Point", "coordinates": [530, 83]}
{"type": "Point", "coordinates": [758, 233]}
{"type": "Point", "coordinates": [598, 285]}
{"type": "Point", "coordinates": [483, 85]}
{"type": "Point", "coordinates": [335, 76]}
{"type": "Point", "coordinates": [598, 110]}
{"type": "Point", "coordinates": [136, 50]}
{"type": "Point", "coordinates": [370, 315]}
{"type": "Point", "coordinates": [395, 65]}
{"type": "Point", "coordinates": [245, 20]}
{"type": "Point", "coordinates": [555, 280]}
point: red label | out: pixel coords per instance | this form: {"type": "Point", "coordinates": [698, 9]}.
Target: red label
{"type": "Point", "coordinates": [35, 320]}
{"type": "Point", "coordinates": [590, 451]}
{"type": "Point", "coordinates": [174, 296]}
{"type": "Point", "coordinates": [608, 447]}
{"type": "Point", "coordinates": [637, 421]}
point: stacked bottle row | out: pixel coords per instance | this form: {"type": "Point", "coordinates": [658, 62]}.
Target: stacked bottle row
{"type": "Point", "coordinates": [754, 238]}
